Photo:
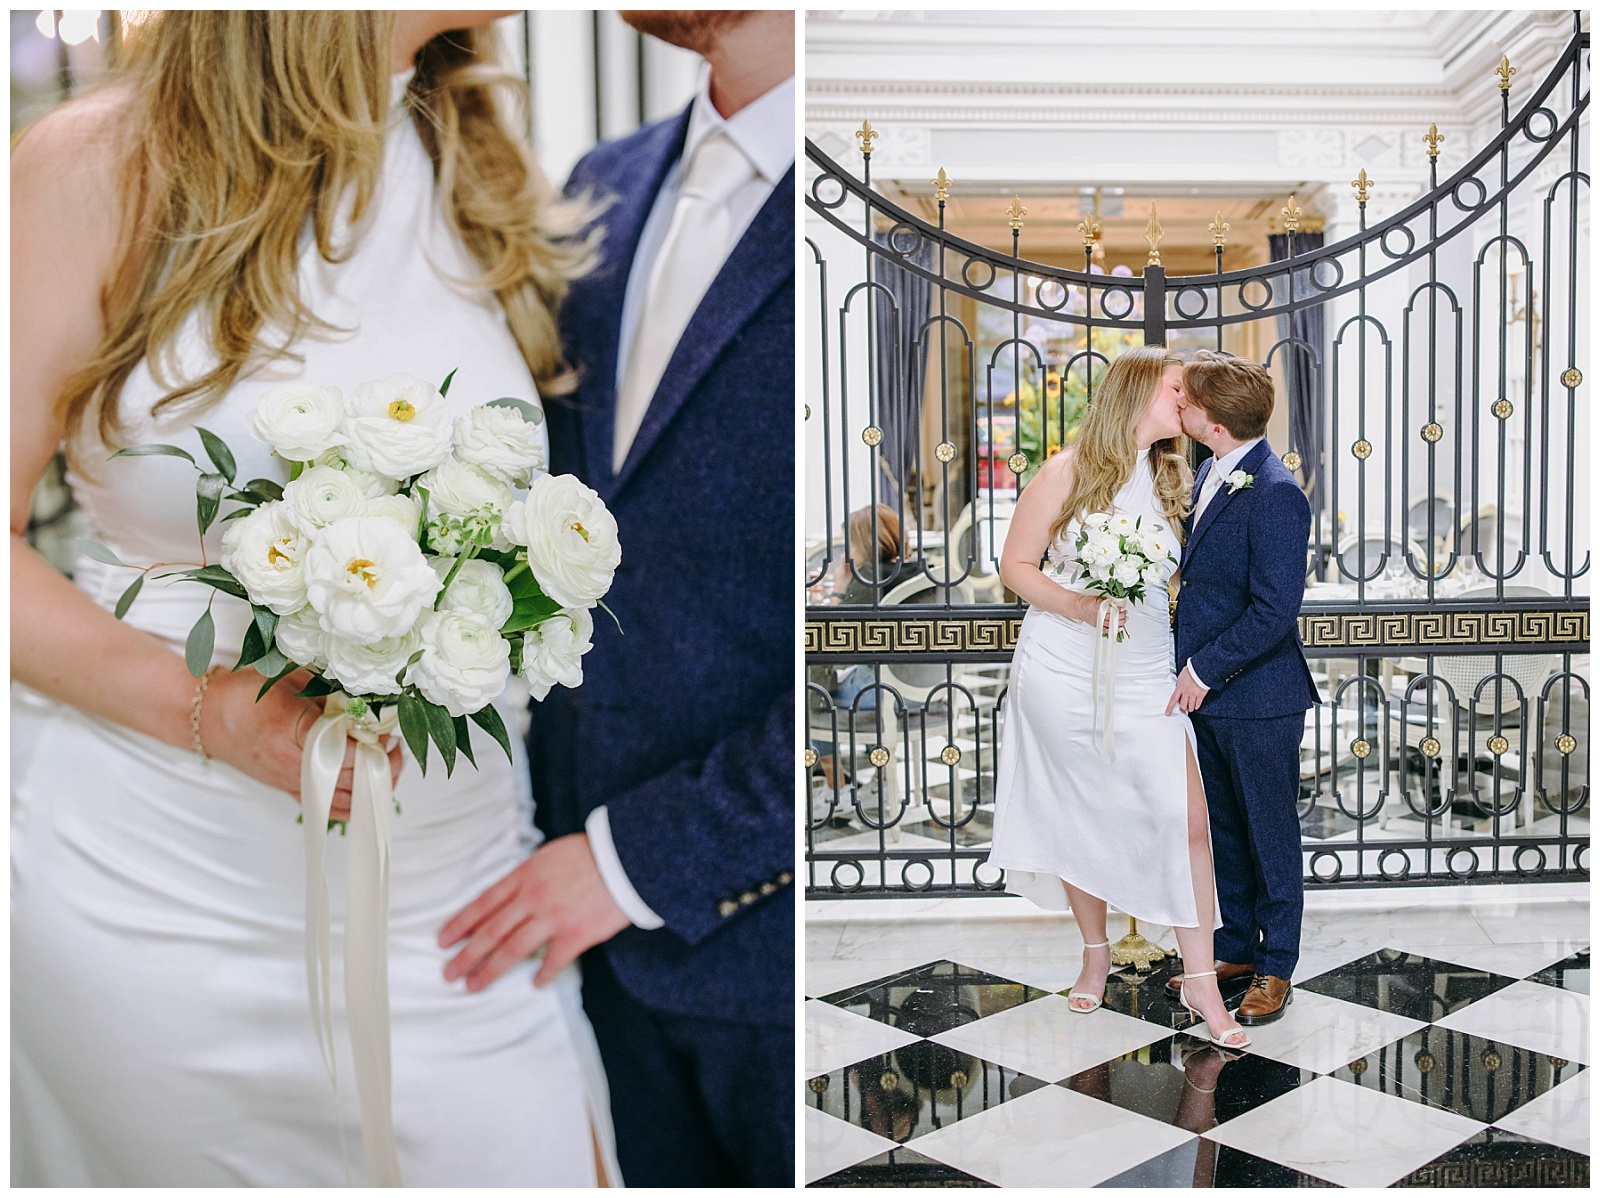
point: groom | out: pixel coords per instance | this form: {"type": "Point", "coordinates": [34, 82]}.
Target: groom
{"type": "Point", "coordinates": [1243, 673]}
{"type": "Point", "coordinates": [666, 782]}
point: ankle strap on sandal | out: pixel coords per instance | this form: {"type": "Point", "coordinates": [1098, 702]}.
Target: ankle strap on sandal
{"type": "Point", "coordinates": [1102, 944]}
{"type": "Point", "coordinates": [1210, 973]}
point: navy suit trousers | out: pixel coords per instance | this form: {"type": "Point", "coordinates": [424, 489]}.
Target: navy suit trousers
{"type": "Point", "coordinates": [1251, 770]}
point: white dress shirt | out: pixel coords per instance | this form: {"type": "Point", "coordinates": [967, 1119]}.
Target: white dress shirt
{"type": "Point", "coordinates": [764, 131]}
{"type": "Point", "coordinates": [1220, 469]}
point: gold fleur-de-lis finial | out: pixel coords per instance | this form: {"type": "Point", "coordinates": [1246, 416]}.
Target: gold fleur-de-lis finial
{"type": "Point", "coordinates": [1363, 186]}
{"type": "Point", "coordinates": [1291, 215]}
{"type": "Point", "coordinates": [1016, 212]}
{"type": "Point", "coordinates": [1505, 70]}
{"type": "Point", "coordinates": [1219, 231]}
{"type": "Point", "coordinates": [941, 186]}
{"type": "Point", "coordinates": [1433, 137]}
{"type": "Point", "coordinates": [1153, 234]}
{"type": "Point", "coordinates": [1090, 228]}
{"type": "Point", "coordinates": [866, 135]}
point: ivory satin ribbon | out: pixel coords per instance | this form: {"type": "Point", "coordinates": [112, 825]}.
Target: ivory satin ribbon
{"type": "Point", "coordinates": [1105, 676]}
{"type": "Point", "coordinates": [366, 924]}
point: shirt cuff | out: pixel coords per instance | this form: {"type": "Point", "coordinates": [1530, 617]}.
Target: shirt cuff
{"type": "Point", "coordinates": [1189, 665]}
{"type": "Point", "coordinates": [598, 826]}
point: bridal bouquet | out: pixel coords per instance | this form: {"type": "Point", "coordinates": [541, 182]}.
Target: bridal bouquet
{"type": "Point", "coordinates": [397, 564]}
{"type": "Point", "coordinates": [1120, 558]}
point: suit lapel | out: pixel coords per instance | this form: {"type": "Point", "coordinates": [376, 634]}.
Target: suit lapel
{"type": "Point", "coordinates": [595, 303]}
{"type": "Point", "coordinates": [1194, 499]}
{"type": "Point", "coordinates": [761, 262]}
{"type": "Point", "coordinates": [1223, 496]}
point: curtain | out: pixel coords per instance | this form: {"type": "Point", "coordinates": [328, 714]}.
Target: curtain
{"type": "Point", "coordinates": [1302, 375]}
{"type": "Point", "coordinates": [900, 365]}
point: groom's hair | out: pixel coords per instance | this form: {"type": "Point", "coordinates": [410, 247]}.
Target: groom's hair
{"type": "Point", "coordinates": [1235, 392]}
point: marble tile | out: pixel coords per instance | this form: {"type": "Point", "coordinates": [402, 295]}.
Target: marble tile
{"type": "Point", "coordinates": [1440, 1067]}
{"type": "Point", "coordinates": [916, 1089]}
{"type": "Point", "coordinates": [1051, 1138]}
{"type": "Point", "coordinates": [1559, 1116]}
{"type": "Point", "coordinates": [1201, 1164]}
{"type": "Point", "coordinates": [830, 977]}
{"type": "Point", "coordinates": [822, 939]}
{"type": "Point", "coordinates": [1530, 1015]}
{"type": "Point", "coordinates": [1345, 1134]}
{"type": "Point", "coordinates": [1408, 984]}
{"type": "Point", "coordinates": [901, 1167]}
{"type": "Point", "coordinates": [1513, 922]}
{"type": "Point", "coordinates": [1321, 1033]}
{"type": "Point", "coordinates": [832, 1144]}
{"type": "Point", "coordinates": [1048, 1040]}
{"type": "Point", "coordinates": [1570, 973]}
{"type": "Point", "coordinates": [934, 998]}
{"type": "Point", "coordinates": [1511, 960]}
{"type": "Point", "coordinates": [1316, 959]}
{"type": "Point", "coordinates": [835, 1038]}
{"type": "Point", "coordinates": [1501, 1159]}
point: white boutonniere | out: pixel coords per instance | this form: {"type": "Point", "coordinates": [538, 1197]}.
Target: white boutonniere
{"type": "Point", "coordinates": [1239, 481]}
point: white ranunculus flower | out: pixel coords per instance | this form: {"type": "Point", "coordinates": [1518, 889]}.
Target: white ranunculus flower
{"type": "Point", "coordinates": [1155, 547]}
{"type": "Point", "coordinates": [1096, 519]}
{"type": "Point", "coordinates": [1105, 543]}
{"type": "Point", "coordinates": [373, 486]}
{"type": "Point", "coordinates": [322, 495]}
{"type": "Point", "coordinates": [299, 421]}
{"type": "Point", "coordinates": [500, 441]}
{"type": "Point", "coordinates": [402, 509]}
{"type": "Point", "coordinates": [571, 539]}
{"type": "Point", "coordinates": [1152, 575]}
{"type": "Point", "coordinates": [464, 664]}
{"type": "Point", "coordinates": [300, 638]}
{"type": "Point", "coordinates": [1100, 572]}
{"type": "Point", "coordinates": [460, 489]}
{"type": "Point", "coordinates": [266, 551]}
{"type": "Point", "coordinates": [1126, 572]}
{"type": "Point", "coordinates": [478, 588]}
{"type": "Point", "coordinates": [367, 579]}
{"type": "Point", "coordinates": [397, 427]}
{"type": "Point", "coordinates": [552, 652]}
{"type": "Point", "coordinates": [1122, 524]}
{"type": "Point", "coordinates": [372, 667]}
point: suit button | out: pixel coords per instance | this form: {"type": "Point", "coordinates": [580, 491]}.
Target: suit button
{"type": "Point", "coordinates": [785, 878]}
{"type": "Point", "coordinates": [767, 888]}
{"type": "Point", "coordinates": [726, 908]}
{"type": "Point", "coordinates": [748, 897]}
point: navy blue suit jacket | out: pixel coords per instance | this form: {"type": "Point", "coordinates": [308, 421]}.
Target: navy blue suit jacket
{"type": "Point", "coordinates": [684, 725]}
{"type": "Point", "coordinates": [1243, 577]}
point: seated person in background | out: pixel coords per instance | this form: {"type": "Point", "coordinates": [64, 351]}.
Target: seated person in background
{"type": "Point", "coordinates": [874, 565]}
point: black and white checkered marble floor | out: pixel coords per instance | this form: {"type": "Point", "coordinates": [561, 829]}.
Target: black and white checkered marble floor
{"type": "Point", "coordinates": [1435, 1039]}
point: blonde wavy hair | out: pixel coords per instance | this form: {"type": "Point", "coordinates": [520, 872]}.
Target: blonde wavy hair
{"type": "Point", "coordinates": [1105, 448]}
{"type": "Point", "coordinates": [245, 128]}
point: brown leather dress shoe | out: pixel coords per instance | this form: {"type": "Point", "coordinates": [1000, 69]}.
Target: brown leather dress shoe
{"type": "Point", "coordinates": [1231, 979]}
{"type": "Point", "coordinates": [1264, 1001]}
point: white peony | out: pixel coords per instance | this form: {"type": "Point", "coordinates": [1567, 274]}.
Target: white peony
{"type": "Point", "coordinates": [1096, 519]}
{"type": "Point", "coordinates": [464, 664]}
{"type": "Point", "coordinates": [1100, 572]}
{"type": "Point", "coordinates": [478, 588]}
{"type": "Point", "coordinates": [1152, 575]}
{"type": "Point", "coordinates": [300, 638]}
{"type": "Point", "coordinates": [460, 489]}
{"type": "Point", "coordinates": [368, 579]}
{"type": "Point", "coordinates": [500, 441]}
{"type": "Point", "coordinates": [373, 486]}
{"type": "Point", "coordinates": [299, 421]}
{"type": "Point", "coordinates": [322, 495]}
{"type": "Point", "coordinates": [266, 551]}
{"type": "Point", "coordinates": [397, 427]}
{"type": "Point", "coordinates": [571, 539]}
{"type": "Point", "coordinates": [1126, 572]}
{"type": "Point", "coordinates": [552, 652]}
{"type": "Point", "coordinates": [402, 509]}
{"type": "Point", "coordinates": [372, 667]}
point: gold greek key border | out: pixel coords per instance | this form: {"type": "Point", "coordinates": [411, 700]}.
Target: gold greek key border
{"type": "Point", "coordinates": [1322, 632]}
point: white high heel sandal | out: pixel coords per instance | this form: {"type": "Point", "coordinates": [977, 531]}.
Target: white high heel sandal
{"type": "Point", "coordinates": [1227, 1039]}
{"type": "Point", "coordinates": [1073, 994]}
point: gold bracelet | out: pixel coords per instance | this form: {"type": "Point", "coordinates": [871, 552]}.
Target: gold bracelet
{"type": "Point", "coordinates": [194, 712]}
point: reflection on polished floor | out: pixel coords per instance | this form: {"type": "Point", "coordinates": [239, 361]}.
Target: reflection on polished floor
{"type": "Point", "coordinates": [1437, 1038]}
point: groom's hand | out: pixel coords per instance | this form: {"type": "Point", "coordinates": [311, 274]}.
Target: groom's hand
{"type": "Point", "coordinates": [555, 898]}
{"type": "Point", "coordinates": [1188, 694]}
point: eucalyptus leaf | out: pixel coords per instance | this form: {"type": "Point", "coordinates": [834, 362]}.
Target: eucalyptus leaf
{"type": "Point", "coordinates": [145, 451]}
{"type": "Point", "coordinates": [202, 640]}
{"type": "Point", "coordinates": [208, 497]}
{"type": "Point", "coordinates": [288, 668]}
{"type": "Point", "coordinates": [128, 596]}
{"type": "Point", "coordinates": [219, 453]}
{"type": "Point", "coordinates": [529, 413]}
{"type": "Point", "coordinates": [98, 551]}
{"type": "Point", "coordinates": [464, 739]}
{"type": "Point", "coordinates": [487, 718]}
{"type": "Point", "coordinates": [443, 730]}
{"type": "Point", "coordinates": [414, 727]}
{"type": "Point", "coordinates": [444, 387]}
{"type": "Point", "coordinates": [273, 663]}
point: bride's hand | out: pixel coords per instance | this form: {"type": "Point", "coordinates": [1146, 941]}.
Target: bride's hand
{"type": "Point", "coordinates": [267, 739]}
{"type": "Point", "coordinates": [1089, 613]}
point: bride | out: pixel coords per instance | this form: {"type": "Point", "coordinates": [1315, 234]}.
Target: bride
{"type": "Point", "coordinates": [1074, 825]}
{"type": "Point", "coordinates": [260, 197]}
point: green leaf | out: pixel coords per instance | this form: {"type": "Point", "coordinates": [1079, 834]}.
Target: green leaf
{"type": "Point", "coordinates": [526, 614]}
{"type": "Point", "coordinates": [219, 453]}
{"type": "Point", "coordinates": [144, 451]}
{"type": "Point", "coordinates": [98, 551]}
{"type": "Point", "coordinates": [296, 469]}
{"type": "Point", "coordinates": [464, 739]}
{"type": "Point", "coordinates": [266, 620]}
{"type": "Point", "coordinates": [443, 730]}
{"type": "Point", "coordinates": [529, 413]}
{"type": "Point", "coordinates": [214, 576]}
{"type": "Point", "coordinates": [208, 497]}
{"type": "Point", "coordinates": [128, 596]}
{"type": "Point", "coordinates": [238, 513]}
{"type": "Point", "coordinates": [414, 727]}
{"type": "Point", "coordinates": [202, 640]}
{"type": "Point", "coordinates": [273, 662]}
{"type": "Point", "coordinates": [266, 488]}
{"type": "Point", "coordinates": [444, 387]}
{"type": "Point", "coordinates": [601, 603]}
{"type": "Point", "coordinates": [487, 718]}
{"type": "Point", "coordinates": [253, 648]}
{"type": "Point", "coordinates": [317, 688]}
{"type": "Point", "coordinates": [288, 668]}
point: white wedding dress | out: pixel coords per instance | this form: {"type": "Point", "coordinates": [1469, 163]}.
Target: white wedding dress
{"type": "Point", "coordinates": [160, 1027]}
{"type": "Point", "coordinates": [1063, 811]}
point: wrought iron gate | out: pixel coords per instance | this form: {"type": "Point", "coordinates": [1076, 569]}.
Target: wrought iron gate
{"type": "Point", "coordinates": [1438, 428]}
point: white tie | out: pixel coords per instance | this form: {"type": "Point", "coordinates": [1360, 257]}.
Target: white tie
{"type": "Point", "coordinates": [696, 245]}
{"type": "Point", "coordinates": [1207, 490]}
